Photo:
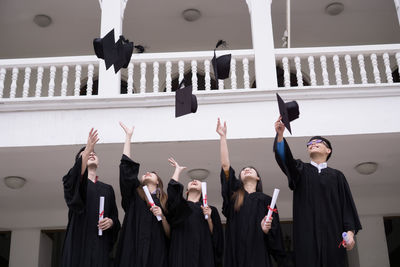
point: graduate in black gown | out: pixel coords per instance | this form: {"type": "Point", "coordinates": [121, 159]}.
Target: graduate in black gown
{"type": "Point", "coordinates": [83, 247]}
{"type": "Point", "coordinates": [250, 241]}
{"type": "Point", "coordinates": [323, 206]}
{"type": "Point", "coordinates": [143, 239]}
{"type": "Point", "coordinates": [195, 241]}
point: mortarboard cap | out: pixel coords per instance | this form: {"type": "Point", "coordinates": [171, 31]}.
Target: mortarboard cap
{"type": "Point", "coordinates": [117, 54]}
{"type": "Point", "coordinates": [289, 111]}
{"type": "Point", "coordinates": [185, 101]}
{"type": "Point", "coordinates": [222, 64]}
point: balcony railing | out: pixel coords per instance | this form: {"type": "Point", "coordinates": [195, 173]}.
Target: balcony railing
{"type": "Point", "coordinates": [158, 73]}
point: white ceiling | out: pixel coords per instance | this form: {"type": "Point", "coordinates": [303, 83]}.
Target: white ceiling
{"type": "Point", "coordinates": [158, 25]}
{"type": "Point", "coordinates": [44, 167]}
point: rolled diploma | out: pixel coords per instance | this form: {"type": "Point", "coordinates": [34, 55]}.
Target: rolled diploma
{"type": "Point", "coordinates": [345, 237]}
{"type": "Point", "coordinates": [150, 199]}
{"type": "Point", "coordinates": [272, 205]}
{"type": "Point", "coordinates": [101, 213]}
{"type": "Point", "coordinates": [204, 194]}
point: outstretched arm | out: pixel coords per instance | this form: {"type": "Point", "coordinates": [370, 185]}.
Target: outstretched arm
{"type": "Point", "coordinates": [279, 128]}
{"type": "Point", "coordinates": [178, 169]}
{"type": "Point", "coordinates": [221, 130]}
{"type": "Point", "coordinates": [128, 137]}
{"type": "Point", "coordinates": [92, 140]}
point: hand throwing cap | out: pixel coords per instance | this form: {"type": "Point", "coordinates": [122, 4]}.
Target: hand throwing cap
{"type": "Point", "coordinates": [289, 112]}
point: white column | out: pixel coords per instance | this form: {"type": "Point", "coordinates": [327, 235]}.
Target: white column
{"type": "Point", "coordinates": [24, 249]}
{"type": "Point", "coordinates": [371, 243]}
{"type": "Point", "coordinates": [263, 43]}
{"type": "Point", "coordinates": [111, 18]}
{"type": "Point", "coordinates": [45, 250]}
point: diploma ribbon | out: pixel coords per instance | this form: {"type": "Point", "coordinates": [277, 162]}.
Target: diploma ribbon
{"type": "Point", "coordinates": [205, 199]}
{"type": "Point", "coordinates": [342, 243]}
{"type": "Point", "coordinates": [101, 213]}
{"type": "Point", "coordinates": [273, 210]}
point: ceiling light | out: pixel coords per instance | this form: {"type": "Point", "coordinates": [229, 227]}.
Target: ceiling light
{"type": "Point", "coordinates": [191, 14]}
{"type": "Point", "coordinates": [14, 182]}
{"type": "Point", "coordinates": [42, 20]}
{"type": "Point", "coordinates": [366, 168]}
{"type": "Point", "coordinates": [198, 174]}
{"type": "Point", "coordinates": [334, 9]}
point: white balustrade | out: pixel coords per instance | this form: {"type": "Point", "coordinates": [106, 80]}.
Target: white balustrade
{"type": "Point", "coordinates": [52, 83]}
{"type": "Point", "coordinates": [374, 62]}
{"type": "Point", "coordinates": [181, 66]}
{"type": "Point", "coordinates": [299, 75]}
{"type": "Point", "coordinates": [194, 75]}
{"type": "Point", "coordinates": [2, 78]}
{"type": "Point", "coordinates": [325, 75]}
{"type": "Point", "coordinates": [142, 78]}
{"type": "Point", "coordinates": [89, 85]}
{"type": "Point", "coordinates": [388, 71]}
{"type": "Point", "coordinates": [312, 71]}
{"type": "Point", "coordinates": [64, 82]}
{"type": "Point", "coordinates": [246, 75]}
{"type": "Point", "coordinates": [398, 62]}
{"type": "Point", "coordinates": [129, 88]}
{"type": "Point", "coordinates": [156, 67]}
{"type": "Point", "coordinates": [207, 75]}
{"type": "Point", "coordinates": [338, 74]}
{"type": "Point", "coordinates": [25, 91]}
{"type": "Point", "coordinates": [39, 78]}
{"type": "Point", "coordinates": [13, 88]}
{"type": "Point", "coordinates": [233, 74]}
{"type": "Point", "coordinates": [350, 75]}
{"type": "Point", "coordinates": [363, 73]}
{"type": "Point", "coordinates": [168, 79]}
{"type": "Point", "coordinates": [286, 72]}
{"type": "Point", "coordinates": [78, 74]}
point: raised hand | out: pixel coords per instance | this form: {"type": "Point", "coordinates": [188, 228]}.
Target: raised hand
{"type": "Point", "coordinates": [221, 130]}
{"type": "Point", "coordinates": [206, 211]}
{"type": "Point", "coordinates": [92, 140]}
{"type": "Point", "coordinates": [175, 164]}
{"type": "Point", "coordinates": [266, 226]}
{"type": "Point", "coordinates": [128, 131]}
{"type": "Point", "coordinates": [279, 128]}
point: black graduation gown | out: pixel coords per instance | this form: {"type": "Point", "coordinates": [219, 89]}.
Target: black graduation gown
{"type": "Point", "coordinates": [142, 240]}
{"type": "Point", "coordinates": [192, 243]}
{"type": "Point", "coordinates": [323, 208]}
{"type": "Point", "coordinates": [82, 244]}
{"type": "Point", "coordinates": [246, 245]}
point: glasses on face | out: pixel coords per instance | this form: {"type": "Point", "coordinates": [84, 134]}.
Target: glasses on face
{"type": "Point", "coordinates": [313, 142]}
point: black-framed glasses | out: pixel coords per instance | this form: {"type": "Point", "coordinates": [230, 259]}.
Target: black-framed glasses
{"type": "Point", "coordinates": [316, 142]}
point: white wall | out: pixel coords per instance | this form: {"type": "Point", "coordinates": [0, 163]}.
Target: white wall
{"type": "Point", "coordinates": [24, 249]}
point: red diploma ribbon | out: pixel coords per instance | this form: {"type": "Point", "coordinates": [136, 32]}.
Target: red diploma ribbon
{"type": "Point", "coordinates": [273, 210]}
{"type": "Point", "coordinates": [101, 213]}
{"type": "Point", "coordinates": [342, 243]}
{"type": "Point", "coordinates": [205, 199]}
{"type": "Point", "coordinates": [151, 204]}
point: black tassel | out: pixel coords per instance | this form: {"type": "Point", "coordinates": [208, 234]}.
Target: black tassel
{"type": "Point", "coordinates": [140, 49]}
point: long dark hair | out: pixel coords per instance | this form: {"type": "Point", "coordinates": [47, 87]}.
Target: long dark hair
{"type": "Point", "coordinates": [162, 196]}
{"type": "Point", "coordinates": [238, 196]}
{"type": "Point", "coordinates": [79, 153]}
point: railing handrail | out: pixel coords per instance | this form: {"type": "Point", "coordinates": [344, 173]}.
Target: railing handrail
{"type": "Point", "coordinates": [333, 50]}
{"type": "Point", "coordinates": [146, 57]}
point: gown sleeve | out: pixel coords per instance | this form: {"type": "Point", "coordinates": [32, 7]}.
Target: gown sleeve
{"type": "Point", "coordinates": [75, 185]}
{"type": "Point", "coordinates": [275, 241]}
{"type": "Point", "coordinates": [229, 185]}
{"type": "Point", "coordinates": [351, 221]}
{"type": "Point", "coordinates": [291, 167]}
{"type": "Point", "coordinates": [217, 237]}
{"type": "Point", "coordinates": [128, 180]}
{"type": "Point", "coordinates": [177, 206]}
{"type": "Point", "coordinates": [114, 216]}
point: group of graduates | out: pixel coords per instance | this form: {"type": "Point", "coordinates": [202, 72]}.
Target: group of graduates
{"type": "Point", "coordinates": [323, 208]}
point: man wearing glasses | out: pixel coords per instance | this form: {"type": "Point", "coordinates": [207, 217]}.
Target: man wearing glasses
{"type": "Point", "coordinates": [323, 207]}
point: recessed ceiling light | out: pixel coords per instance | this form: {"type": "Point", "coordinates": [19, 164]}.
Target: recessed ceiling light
{"type": "Point", "coordinates": [191, 14]}
{"type": "Point", "coordinates": [334, 8]}
{"type": "Point", "coordinates": [14, 182]}
{"type": "Point", "coordinates": [42, 20]}
{"type": "Point", "coordinates": [366, 168]}
{"type": "Point", "coordinates": [198, 174]}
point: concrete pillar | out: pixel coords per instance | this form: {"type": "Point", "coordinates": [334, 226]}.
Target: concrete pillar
{"type": "Point", "coordinates": [372, 245]}
{"type": "Point", "coordinates": [111, 18]}
{"type": "Point", "coordinates": [263, 43]}
{"type": "Point", "coordinates": [24, 249]}
{"type": "Point", "coordinates": [45, 250]}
